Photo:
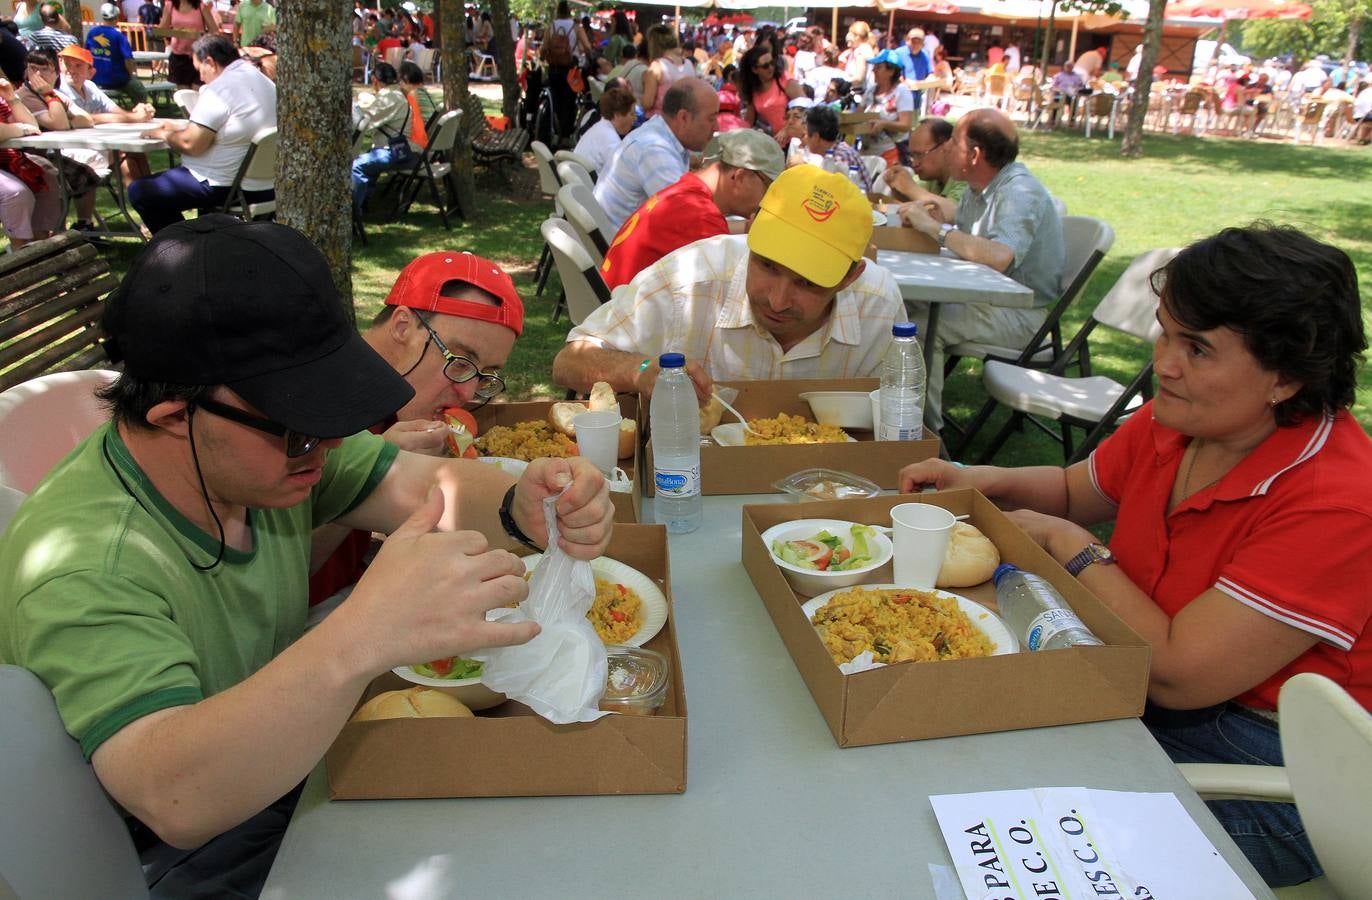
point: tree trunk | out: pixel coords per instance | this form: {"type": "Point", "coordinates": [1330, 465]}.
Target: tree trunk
{"type": "Point", "coordinates": [457, 95]}
{"type": "Point", "coordinates": [315, 120]}
{"type": "Point", "coordinates": [1132, 145]}
{"type": "Point", "coordinates": [1354, 31]}
{"type": "Point", "coordinates": [505, 61]}
{"type": "Point", "coordinates": [71, 11]}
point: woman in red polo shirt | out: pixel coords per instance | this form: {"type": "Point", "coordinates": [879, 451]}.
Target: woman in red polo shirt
{"type": "Point", "coordinates": [1242, 546]}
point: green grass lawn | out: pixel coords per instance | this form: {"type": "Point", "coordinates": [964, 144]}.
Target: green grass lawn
{"type": "Point", "coordinates": [1184, 189]}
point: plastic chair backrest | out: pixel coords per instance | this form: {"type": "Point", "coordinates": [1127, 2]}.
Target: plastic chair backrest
{"type": "Point", "coordinates": [395, 56]}
{"type": "Point", "coordinates": [574, 173]}
{"type": "Point", "coordinates": [1102, 104]}
{"type": "Point", "coordinates": [263, 163]}
{"type": "Point", "coordinates": [1326, 742]}
{"type": "Point", "coordinates": [583, 223]}
{"type": "Point", "coordinates": [572, 156]}
{"type": "Point", "coordinates": [424, 58]}
{"type": "Point", "coordinates": [995, 84]}
{"type": "Point", "coordinates": [186, 98]}
{"type": "Point", "coordinates": [60, 835]}
{"type": "Point", "coordinates": [445, 137]}
{"type": "Point", "coordinates": [547, 177]}
{"type": "Point", "coordinates": [1088, 240]}
{"type": "Point", "coordinates": [1131, 306]}
{"type": "Point", "coordinates": [581, 279]}
{"type": "Point", "coordinates": [875, 166]}
{"type": "Point", "coordinates": [43, 419]}
{"type": "Point", "coordinates": [582, 195]}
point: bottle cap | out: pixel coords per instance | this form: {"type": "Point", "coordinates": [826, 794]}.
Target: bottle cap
{"type": "Point", "coordinates": [904, 329]}
{"type": "Point", "coordinates": [671, 360]}
{"type": "Point", "coordinates": [1001, 571]}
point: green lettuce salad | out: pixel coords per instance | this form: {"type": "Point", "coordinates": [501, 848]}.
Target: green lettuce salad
{"type": "Point", "coordinates": [453, 668]}
{"type": "Point", "coordinates": [826, 552]}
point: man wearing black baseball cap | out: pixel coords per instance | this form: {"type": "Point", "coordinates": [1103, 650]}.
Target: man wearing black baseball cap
{"type": "Point", "coordinates": [155, 580]}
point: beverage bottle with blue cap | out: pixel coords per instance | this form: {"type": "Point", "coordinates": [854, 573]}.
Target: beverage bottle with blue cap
{"type": "Point", "coordinates": [1037, 613]}
{"type": "Point", "coordinates": [674, 417]}
{"type": "Point", "coordinates": [902, 386]}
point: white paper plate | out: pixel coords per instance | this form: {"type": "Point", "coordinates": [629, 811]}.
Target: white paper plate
{"type": "Point", "coordinates": [878, 218]}
{"type": "Point", "coordinates": [654, 602]}
{"type": "Point", "coordinates": [508, 464]}
{"type": "Point", "coordinates": [986, 621]}
{"type": "Point", "coordinates": [731, 435]}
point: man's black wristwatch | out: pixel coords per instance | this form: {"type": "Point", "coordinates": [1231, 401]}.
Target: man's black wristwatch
{"type": "Point", "coordinates": [1092, 553]}
{"type": "Point", "coordinates": [507, 521]}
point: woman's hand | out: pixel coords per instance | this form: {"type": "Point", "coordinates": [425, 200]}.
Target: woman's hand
{"type": "Point", "coordinates": [939, 474]}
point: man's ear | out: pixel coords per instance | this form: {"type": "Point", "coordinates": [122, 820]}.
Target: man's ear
{"type": "Point", "coordinates": [853, 275]}
{"type": "Point", "coordinates": [171, 416]}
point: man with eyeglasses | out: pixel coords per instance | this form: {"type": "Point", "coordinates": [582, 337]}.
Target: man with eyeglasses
{"type": "Point", "coordinates": [932, 166]}
{"type": "Point", "coordinates": [155, 579]}
{"type": "Point", "coordinates": [448, 323]}
{"type": "Point", "coordinates": [739, 167]}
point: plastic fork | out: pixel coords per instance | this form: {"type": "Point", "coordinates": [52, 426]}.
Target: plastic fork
{"type": "Point", "coordinates": [725, 403]}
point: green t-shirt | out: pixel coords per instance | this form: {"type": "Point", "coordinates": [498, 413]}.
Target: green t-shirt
{"type": "Point", "coordinates": [252, 19]}
{"type": "Point", "coordinates": [99, 597]}
{"type": "Point", "coordinates": [951, 189]}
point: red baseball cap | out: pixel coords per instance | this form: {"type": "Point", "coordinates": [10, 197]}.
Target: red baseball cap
{"type": "Point", "coordinates": [420, 286]}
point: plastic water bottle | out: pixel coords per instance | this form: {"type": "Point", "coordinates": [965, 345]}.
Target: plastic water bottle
{"type": "Point", "coordinates": [1037, 613]}
{"type": "Point", "coordinates": [675, 418]}
{"type": "Point", "coordinates": [855, 176]}
{"type": "Point", "coordinates": [902, 386]}
{"type": "Point", "coordinates": [831, 161]}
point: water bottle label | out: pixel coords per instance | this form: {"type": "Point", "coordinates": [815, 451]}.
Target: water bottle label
{"type": "Point", "coordinates": [1048, 624]}
{"type": "Point", "coordinates": [677, 484]}
{"type": "Point", "coordinates": [896, 433]}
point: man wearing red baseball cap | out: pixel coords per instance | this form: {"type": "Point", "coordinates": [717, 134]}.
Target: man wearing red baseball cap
{"type": "Point", "coordinates": [448, 325]}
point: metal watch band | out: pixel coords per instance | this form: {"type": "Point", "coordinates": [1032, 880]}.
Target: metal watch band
{"type": "Point", "coordinates": [1091, 553]}
{"type": "Point", "coordinates": [510, 525]}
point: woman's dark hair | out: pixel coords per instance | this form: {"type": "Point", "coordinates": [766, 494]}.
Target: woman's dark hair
{"type": "Point", "coordinates": [615, 102]}
{"type": "Point", "coordinates": [193, 4]}
{"type": "Point", "coordinates": [410, 73]}
{"type": "Point", "coordinates": [43, 57]}
{"type": "Point", "coordinates": [218, 47]}
{"type": "Point", "coordinates": [823, 121]}
{"type": "Point", "coordinates": [129, 398]}
{"type": "Point", "coordinates": [893, 70]}
{"type": "Point", "coordinates": [1293, 300]}
{"type": "Point", "coordinates": [385, 73]}
{"type": "Point", "coordinates": [621, 25]}
{"type": "Point", "coordinates": [749, 82]}
{"type": "Point", "coordinates": [563, 10]}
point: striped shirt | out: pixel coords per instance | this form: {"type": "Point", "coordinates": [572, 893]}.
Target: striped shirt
{"type": "Point", "coordinates": [695, 301]}
{"type": "Point", "coordinates": [649, 159]}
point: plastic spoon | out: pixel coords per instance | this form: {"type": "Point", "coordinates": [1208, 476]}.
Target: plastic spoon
{"type": "Point", "coordinates": [724, 403]}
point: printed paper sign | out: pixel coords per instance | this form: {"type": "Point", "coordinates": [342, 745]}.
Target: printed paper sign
{"type": "Point", "coordinates": [1077, 843]}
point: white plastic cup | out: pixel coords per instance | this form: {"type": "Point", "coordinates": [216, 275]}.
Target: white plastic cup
{"type": "Point", "coordinates": [597, 438]}
{"type": "Point", "coordinates": [875, 397]}
{"type": "Point", "coordinates": [920, 532]}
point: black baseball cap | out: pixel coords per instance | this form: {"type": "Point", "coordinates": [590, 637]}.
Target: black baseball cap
{"type": "Point", "coordinates": [252, 306]}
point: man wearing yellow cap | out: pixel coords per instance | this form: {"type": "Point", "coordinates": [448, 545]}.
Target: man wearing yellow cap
{"type": "Point", "coordinates": [792, 299]}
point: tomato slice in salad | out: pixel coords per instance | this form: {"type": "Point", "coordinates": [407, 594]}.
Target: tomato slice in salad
{"type": "Point", "coordinates": [442, 667]}
{"type": "Point", "coordinates": [815, 553]}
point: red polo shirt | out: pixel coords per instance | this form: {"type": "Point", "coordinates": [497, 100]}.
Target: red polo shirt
{"type": "Point", "coordinates": [349, 559]}
{"type": "Point", "coordinates": [675, 216]}
{"type": "Point", "coordinates": [1287, 532]}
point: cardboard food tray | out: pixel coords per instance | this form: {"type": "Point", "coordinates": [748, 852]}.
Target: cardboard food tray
{"type": "Point", "coordinates": [904, 240]}
{"type": "Point", "coordinates": [751, 470]}
{"type": "Point", "coordinates": [628, 506]}
{"type": "Point", "coordinates": [916, 701]}
{"type": "Point", "coordinates": [509, 751]}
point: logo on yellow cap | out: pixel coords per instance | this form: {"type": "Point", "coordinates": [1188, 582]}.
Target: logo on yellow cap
{"type": "Point", "coordinates": [820, 205]}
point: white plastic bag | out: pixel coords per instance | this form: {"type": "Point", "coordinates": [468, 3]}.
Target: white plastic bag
{"type": "Point", "coordinates": [561, 673]}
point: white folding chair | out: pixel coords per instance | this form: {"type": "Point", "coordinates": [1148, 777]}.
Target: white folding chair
{"type": "Point", "coordinates": [433, 167]}
{"type": "Point", "coordinates": [424, 58]}
{"type": "Point", "coordinates": [580, 210]}
{"type": "Point", "coordinates": [548, 182]}
{"type": "Point", "coordinates": [876, 167]}
{"type": "Point", "coordinates": [582, 284]}
{"type": "Point", "coordinates": [482, 65]}
{"type": "Point", "coordinates": [572, 156]}
{"type": "Point", "coordinates": [569, 172]}
{"type": "Point", "coordinates": [60, 836]}
{"type": "Point", "coordinates": [259, 164]}
{"type": "Point", "coordinates": [1088, 240]}
{"type": "Point", "coordinates": [43, 419]}
{"type": "Point", "coordinates": [1095, 403]}
{"type": "Point", "coordinates": [185, 98]}
{"type": "Point", "coordinates": [395, 56]}
{"type": "Point", "coordinates": [1326, 743]}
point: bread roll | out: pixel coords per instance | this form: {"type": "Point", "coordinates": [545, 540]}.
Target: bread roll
{"type": "Point", "coordinates": [710, 414]}
{"type": "Point", "coordinates": [413, 703]}
{"type": "Point", "coordinates": [603, 397]}
{"type": "Point", "coordinates": [560, 416]}
{"type": "Point", "coordinates": [628, 437]}
{"type": "Point", "coordinates": [971, 558]}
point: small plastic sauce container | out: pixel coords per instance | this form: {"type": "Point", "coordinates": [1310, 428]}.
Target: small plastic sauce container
{"type": "Point", "coordinates": [827, 484]}
{"type": "Point", "coordinates": [637, 682]}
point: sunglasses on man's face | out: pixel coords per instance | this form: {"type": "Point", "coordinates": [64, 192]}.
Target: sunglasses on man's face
{"type": "Point", "coordinates": [297, 444]}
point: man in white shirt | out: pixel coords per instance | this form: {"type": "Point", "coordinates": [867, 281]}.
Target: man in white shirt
{"type": "Point", "coordinates": [602, 139]}
{"type": "Point", "coordinates": [235, 103]}
{"type": "Point", "coordinates": [657, 154]}
{"type": "Point", "coordinates": [1362, 113]}
{"type": "Point", "coordinates": [794, 298]}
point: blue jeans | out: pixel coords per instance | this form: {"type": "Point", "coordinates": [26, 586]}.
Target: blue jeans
{"type": "Point", "coordinates": [160, 199]}
{"type": "Point", "coordinates": [366, 169]}
{"type": "Point", "coordinates": [1271, 835]}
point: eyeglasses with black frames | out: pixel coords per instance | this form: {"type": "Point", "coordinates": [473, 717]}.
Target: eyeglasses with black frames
{"type": "Point", "coordinates": [297, 444]}
{"type": "Point", "coordinates": [461, 369]}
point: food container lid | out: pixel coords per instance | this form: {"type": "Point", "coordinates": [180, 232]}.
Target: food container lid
{"type": "Point", "coordinates": [827, 484]}
{"type": "Point", "coordinates": [636, 677]}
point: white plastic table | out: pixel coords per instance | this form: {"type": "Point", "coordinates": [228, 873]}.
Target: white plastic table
{"type": "Point", "coordinates": [773, 807]}
{"type": "Point", "coordinates": [926, 278]}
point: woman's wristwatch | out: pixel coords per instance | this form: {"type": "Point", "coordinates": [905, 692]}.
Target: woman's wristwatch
{"type": "Point", "coordinates": [1092, 553]}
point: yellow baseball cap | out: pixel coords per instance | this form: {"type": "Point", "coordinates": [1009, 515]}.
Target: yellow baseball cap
{"type": "Point", "coordinates": [813, 222]}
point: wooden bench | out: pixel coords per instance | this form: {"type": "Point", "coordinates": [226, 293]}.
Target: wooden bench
{"type": "Point", "coordinates": [50, 307]}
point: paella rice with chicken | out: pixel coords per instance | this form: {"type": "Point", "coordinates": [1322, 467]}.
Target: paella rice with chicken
{"type": "Point", "coordinates": [786, 429]}
{"type": "Point", "coordinates": [898, 625]}
{"type": "Point", "coordinates": [527, 441]}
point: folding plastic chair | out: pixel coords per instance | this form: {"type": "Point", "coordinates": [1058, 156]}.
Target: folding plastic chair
{"type": "Point", "coordinates": [44, 418]}
{"type": "Point", "coordinates": [582, 284]}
